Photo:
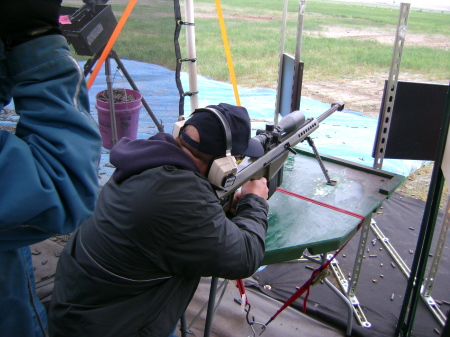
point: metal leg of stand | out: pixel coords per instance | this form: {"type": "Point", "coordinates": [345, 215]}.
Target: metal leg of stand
{"type": "Point", "coordinates": [211, 305]}
{"type": "Point", "coordinates": [133, 85]}
{"type": "Point", "coordinates": [183, 325]}
{"type": "Point", "coordinates": [112, 109]}
{"type": "Point", "coordinates": [349, 306]}
{"type": "Point", "coordinates": [90, 64]}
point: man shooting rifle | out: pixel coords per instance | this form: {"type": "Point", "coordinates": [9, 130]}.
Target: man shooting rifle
{"type": "Point", "coordinates": [134, 265]}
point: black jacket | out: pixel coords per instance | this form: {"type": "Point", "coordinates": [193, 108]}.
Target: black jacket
{"type": "Point", "coordinates": [133, 267]}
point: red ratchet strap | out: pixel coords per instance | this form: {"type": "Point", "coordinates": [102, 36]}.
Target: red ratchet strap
{"type": "Point", "coordinates": [241, 287]}
{"type": "Point", "coordinates": [306, 286]}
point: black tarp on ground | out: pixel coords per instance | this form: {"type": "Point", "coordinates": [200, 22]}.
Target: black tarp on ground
{"type": "Point", "coordinates": [397, 216]}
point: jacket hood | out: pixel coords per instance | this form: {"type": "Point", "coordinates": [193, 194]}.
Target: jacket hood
{"type": "Point", "coordinates": [131, 157]}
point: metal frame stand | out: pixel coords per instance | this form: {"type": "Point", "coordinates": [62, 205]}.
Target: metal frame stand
{"type": "Point", "coordinates": [428, 285]}
{"type": "Point", "coordinates": [427, 288]}
{"type": "Point", "coordinates": [321, 259]}
{"type": "Point", "coordinates": [349, 286]}
{"type": "Point", "coordinates": [415, 288]}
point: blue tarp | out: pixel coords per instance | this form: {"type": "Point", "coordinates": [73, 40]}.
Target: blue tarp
{"type": "Point", "coordinates": [348, 135]}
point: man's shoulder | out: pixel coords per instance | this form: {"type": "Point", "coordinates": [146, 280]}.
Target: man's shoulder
{"type": "Point", "coordinates": [175, 177]}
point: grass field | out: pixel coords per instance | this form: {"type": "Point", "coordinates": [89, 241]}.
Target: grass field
{"type": "Point", "coordinates": [346, 47]}
{"type": "Point", "coordinates": [253, 29]}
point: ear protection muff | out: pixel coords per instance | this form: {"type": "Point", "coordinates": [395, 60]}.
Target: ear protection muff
{"type": "Point", "coordinates": [178, 126]}
{"type": "Point", "coordinates": [222, 172]}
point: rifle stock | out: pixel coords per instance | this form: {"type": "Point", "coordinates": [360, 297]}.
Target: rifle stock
{"type": "Point", "coordinates": [277, 142]}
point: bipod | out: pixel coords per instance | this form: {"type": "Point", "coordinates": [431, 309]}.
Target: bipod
{"type": "Point", "coordinates": [322, 166]}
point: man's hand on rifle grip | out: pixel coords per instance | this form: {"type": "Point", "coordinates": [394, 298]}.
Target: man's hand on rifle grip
{"type": "Point", "coordinates": [257, 186]}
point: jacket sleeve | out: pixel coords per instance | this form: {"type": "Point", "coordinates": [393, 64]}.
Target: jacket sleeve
{"type": "Point", "coordinates": [48, 168]}
{"type": "Point", "coordinates": [213, 245]}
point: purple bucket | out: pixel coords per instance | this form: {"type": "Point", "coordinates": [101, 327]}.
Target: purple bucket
{"type": "Point", "coordinates": [127, 117]}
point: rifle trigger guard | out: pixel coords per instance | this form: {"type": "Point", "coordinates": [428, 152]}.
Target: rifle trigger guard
{"type": "Point", "coordinates": [289, 148]}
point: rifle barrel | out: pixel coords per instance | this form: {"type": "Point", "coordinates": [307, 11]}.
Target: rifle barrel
{"type": "Point", "coordinates": [334, 106]}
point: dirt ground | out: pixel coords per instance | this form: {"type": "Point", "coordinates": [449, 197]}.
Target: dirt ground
{"type": "Point", "coordinates": [365, 94]}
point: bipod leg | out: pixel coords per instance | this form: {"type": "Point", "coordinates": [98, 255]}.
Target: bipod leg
{"type": "Point", "coordinates": [324, 170]}
{"type": "Point", "coordinates": [133, 85]}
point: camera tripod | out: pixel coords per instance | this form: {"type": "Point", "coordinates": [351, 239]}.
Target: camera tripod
{"type": "Point", "coordinates": [113, 55]}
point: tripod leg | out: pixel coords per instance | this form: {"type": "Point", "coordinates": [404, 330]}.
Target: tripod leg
{"type": "Point", "coordinates": [112, 109]}
{"type": "Point", "coordinates": [133, 85]}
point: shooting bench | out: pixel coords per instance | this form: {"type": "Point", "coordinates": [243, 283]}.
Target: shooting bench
{"type": "Point", "coordinates": [297, 226]}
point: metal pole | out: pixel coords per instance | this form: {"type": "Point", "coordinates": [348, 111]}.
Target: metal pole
{"type": "Point", "coordinates": [133, 85]}
{"type": "Point", "coordinates": [391, 88]}
{"type": "Point", "coordinates": [211, 305]}
{"type": "Point", "coordinates": [281, 58]}
{"type": "Point", "coordinates": [191, 53]}
{"type": "Point", "coordinates": [429, 283]}
{"type": "Point", "coordinates": [112, 110]}
{"type": "Point", "coordinates": [412, 293]}
{"type": "Point", "coordinates": [297, 88]}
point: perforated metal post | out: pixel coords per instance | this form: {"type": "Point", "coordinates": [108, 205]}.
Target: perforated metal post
{"type": "Point", "coordinates": [429, 282]}
{"type": "Point", "coordinates": [391, 87]}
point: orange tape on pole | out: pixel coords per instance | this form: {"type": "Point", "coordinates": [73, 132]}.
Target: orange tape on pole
{"type": "Point", "coordinates": [111, 42]}
{"type": "Point", "coordinates": [227, 52]}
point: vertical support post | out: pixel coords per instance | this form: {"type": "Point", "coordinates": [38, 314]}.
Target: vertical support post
{"type": "Point", "coordinates": [191, 53]}
{"type": "Point", "coordinates": [429, 281]}
{"type": "Point", "coordinates": [280, 62]}
{"type": "Point", "coordinates": [391, 88]}
{"type": "Point", "coordinates": [298, 72]}
{"type": "Point", "coordinates": [211, 304]}
{"type": "Point", "coordinates": [425, 236]}
{"type": "Point", "coordinates": [359, 258]}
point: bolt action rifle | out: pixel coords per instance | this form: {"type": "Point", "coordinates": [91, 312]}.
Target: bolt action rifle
{"type": "Point", "coordinates": [277, 141]}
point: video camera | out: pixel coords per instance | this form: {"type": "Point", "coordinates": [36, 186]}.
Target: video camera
{"type": "Point", "coordinates": [89, 27]}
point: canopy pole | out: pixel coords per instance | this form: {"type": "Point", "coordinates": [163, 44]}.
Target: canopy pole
{"type": "Point", "coordinates": [191, 53]}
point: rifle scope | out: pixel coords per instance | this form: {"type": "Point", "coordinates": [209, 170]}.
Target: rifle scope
{"type": "Point", "coordinates": [287, 124]}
